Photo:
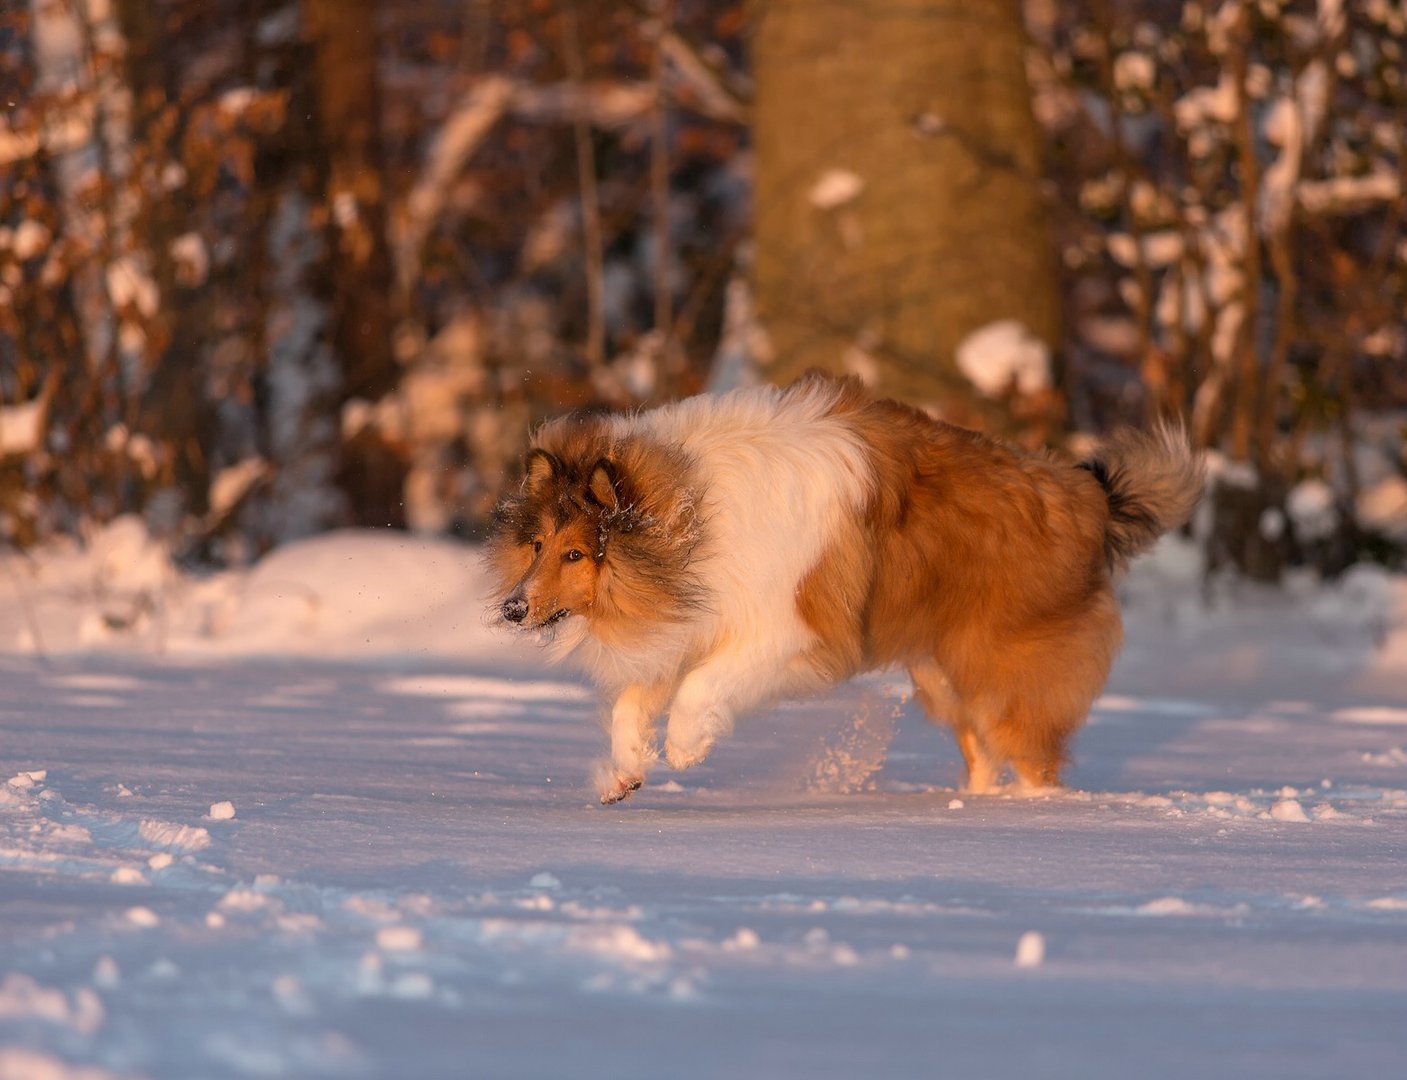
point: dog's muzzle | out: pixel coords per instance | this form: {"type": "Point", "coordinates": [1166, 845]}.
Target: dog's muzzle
{"type": "Point", "coordinates": [515, 609]}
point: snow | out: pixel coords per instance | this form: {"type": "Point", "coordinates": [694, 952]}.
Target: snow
{"type": "Point", "coordinates": [22, 426]}
{"type": "Point", "coordinates": [415, 870]}
{"type": "Point", "coordinates": [128, 284]}
{"type": "Point", "coordinates": [1206, 104]}
{"type": "Point", "coordinates": [1134, 71]}
{"type": "Point", "coordinates": [237, 101]}
{"type": "Point", "coordinates": [1343, 194]}
{"type": "Point", "coordinates": [834, 188]}
{"type": "Point", "coordinates": [1159, 250]}
{"type": "Point", "coordinates": [192, 258]}
{"type": "Point", "coordinates": [1004, 354]}
{"type": "Point", "coordinates": [16, 146]}
{"type": "Point", "coordinates": [1288, 810]}
{"type": "Point", "coordinates": [1311, 506]}
{"type": "Point", "coordinates": [1383, 507]}
{"type": "Point", "coordinates": [30, 239]}
{"type": "Point", "coordinates": [398, 939]}
{"type": "Point", "coordinates": [232, 484]}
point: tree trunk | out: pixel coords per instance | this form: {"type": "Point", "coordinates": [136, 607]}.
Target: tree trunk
{"type": "Point", "coordinates": [897, 207]}
{"type": "Point", "coordinates": [344, 36]}
{"type": "Point", "coordinates": [64, 77]}
{"type": "Point", "coordinates": [165, 399]}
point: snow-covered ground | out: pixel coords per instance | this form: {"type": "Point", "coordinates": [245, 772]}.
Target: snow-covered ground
{"type": "Point", "coordinates": [315, 820]}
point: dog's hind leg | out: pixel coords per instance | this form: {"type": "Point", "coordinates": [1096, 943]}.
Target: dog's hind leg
{"type": "Point", "coordinates": [1038, 773]}
{"type": "Point", "coordinates": [1034, 731]}
{"type": "Point", "coordinates": [1050, 680]}
{"type": "Point", "coordinates": [984, 768]}
{"type": "Point", "coordinates": [942, 704]}
{"type": "Point", "coordinates": [1033, 734]}
{"type": "Point", "coordinates": [632, 742]}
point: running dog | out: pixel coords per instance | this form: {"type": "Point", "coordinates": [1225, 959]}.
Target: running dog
{"type": "Point", "coordinates": [716, 554]}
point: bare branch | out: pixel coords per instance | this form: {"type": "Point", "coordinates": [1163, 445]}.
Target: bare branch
{"type": "Point", "coordinates": [659, 186]}
{"type": "Point", "coordinates": [590, 201]}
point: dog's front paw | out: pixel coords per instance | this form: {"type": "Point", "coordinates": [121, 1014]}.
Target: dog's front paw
{"type": "Point", "coordinates": [614, 787]}
{"type": "Point", "coordinates": [622, 791]}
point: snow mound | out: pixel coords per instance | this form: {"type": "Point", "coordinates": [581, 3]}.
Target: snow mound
{"type": "Point", "coordinates": [354, 593]}
{"type": "Point", "coordinates": [18, 1063]}
{"type": "Point", "coordinates": [1288, 810]}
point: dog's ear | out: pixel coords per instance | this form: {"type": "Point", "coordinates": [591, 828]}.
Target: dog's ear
{"type": "Point", "coordinates": [603, 485]}
{"type": "Point", "coordinates": [539, 469]}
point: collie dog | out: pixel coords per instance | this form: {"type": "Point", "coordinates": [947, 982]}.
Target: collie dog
{"type": "Point", "coordinates": [709, 556]}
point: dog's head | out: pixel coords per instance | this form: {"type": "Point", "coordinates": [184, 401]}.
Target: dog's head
{"type": "Point", "coordinates": [549, 539]}
{"type": "Point", "coordinates": [601, 527]}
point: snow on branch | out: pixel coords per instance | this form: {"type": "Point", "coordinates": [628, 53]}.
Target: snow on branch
{"type": "Point", "coordinates": [22, 425]}
{"type": "Point", "coordinates": [711, 91]}
{"type": "Point", "coordinates": [601, 104]}
{"type": "Point", "coordinates": [463, 133]}
{"type": "Point", "coordinates": [66, 124]}
{"type": "Point", "coordinates": [1349, 194]}
{"type": "Point", "coordinates": [609, 105]}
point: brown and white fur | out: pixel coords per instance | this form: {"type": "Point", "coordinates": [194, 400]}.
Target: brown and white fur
{"type": "Point", "coordinates": [716, 554]}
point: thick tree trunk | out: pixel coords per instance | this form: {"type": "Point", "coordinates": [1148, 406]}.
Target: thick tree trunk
{"type": "Point", "coordinates": [348, 90]}
{"type": "Point", "coordinates": [343, 33]}
{"type": "Point", "coordinates": [896, 197]}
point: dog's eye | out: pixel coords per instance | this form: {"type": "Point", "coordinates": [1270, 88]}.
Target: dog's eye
{"type": "Point", "coordinates": [573, 555]}
{"type": "Point", "coordinates": [537, 546]}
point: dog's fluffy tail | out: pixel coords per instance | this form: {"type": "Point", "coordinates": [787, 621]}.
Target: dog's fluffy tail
{"type": "Point", "coordinates": [1152, 479]}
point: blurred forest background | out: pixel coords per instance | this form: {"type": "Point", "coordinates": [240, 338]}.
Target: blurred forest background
{"type": "Point", "coordinates": [269, 267]}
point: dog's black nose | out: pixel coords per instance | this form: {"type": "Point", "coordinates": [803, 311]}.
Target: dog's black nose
{"type": "Point", "coordinates": [515, 609]}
